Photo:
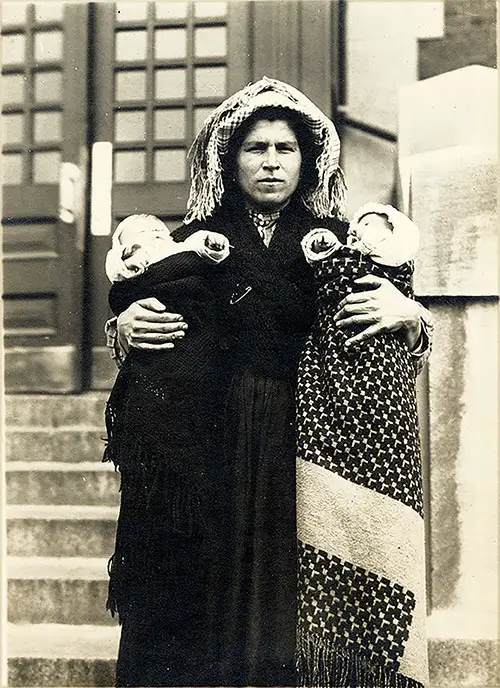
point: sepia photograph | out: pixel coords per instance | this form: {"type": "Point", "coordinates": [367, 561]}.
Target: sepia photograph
{"type": "Point", "coordinates": [250, 344]}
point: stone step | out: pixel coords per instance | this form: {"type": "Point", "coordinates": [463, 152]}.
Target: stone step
{"type": "Point", "coordinates": [61, 655]}
{"type": "Point", "coordinates": [68, 444]}
{"type": "Point", "coordinates": [55, 410]}
{"type": "Point", "coordinates": [60, 530]}
{"type": "Point", "coordinates": [50, 482]}
{"type": "Point", "coordinates": [60, 590]}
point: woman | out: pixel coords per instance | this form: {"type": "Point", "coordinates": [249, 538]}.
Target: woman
{"type": "Point", "coordinates": [265, 171]}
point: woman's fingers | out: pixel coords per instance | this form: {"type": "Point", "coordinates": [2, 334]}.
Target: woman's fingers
{"type": "Point", "coordinates": [349, 309]}
{"type": "Point", "coordinates": [138, 336]}
{"type": "Point", "coordinates": [145, 324]}
{"type": "Point", "coordinates": [361, 336]}
{"type": "Point", "coordinates": [380, 309]}
{"type": "Point", "coordinates": [358, 319]}
{"type": "Point", "coordinates": [154, 347]}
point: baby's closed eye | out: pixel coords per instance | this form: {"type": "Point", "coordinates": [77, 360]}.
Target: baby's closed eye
{"type": "Point", "coordinates": [129, 251]}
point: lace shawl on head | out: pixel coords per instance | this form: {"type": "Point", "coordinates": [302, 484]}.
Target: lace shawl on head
{"type": "Point", "coordinates": [211, 145]}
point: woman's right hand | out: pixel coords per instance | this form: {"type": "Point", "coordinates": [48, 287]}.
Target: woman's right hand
{"type": "Point", "coordinates": [145, 324]}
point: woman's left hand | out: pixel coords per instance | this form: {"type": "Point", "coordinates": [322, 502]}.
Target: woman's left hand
{"type": "Point", "coordinates": [382, 308]}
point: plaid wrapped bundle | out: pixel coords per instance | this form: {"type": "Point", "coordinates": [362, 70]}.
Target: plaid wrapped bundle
{"type": "Point", "coordinates": [361, 608]}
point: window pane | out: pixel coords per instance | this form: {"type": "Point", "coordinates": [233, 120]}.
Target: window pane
{"type": "Point", "coordinates": [171, 10]}
{"type": "Point", "coordinates": [46, 167]}
{"type": "Point", "coordinates": [13, 48]}
{"type": "Point", "coordinates": [48, 11]}
{"type": "Point", "coordinates": [210, 41]}
{"type": "Point", "coordinates": [170, 44]}
{"type": "Point", "coordinates": [47, 126]}
{"type": "Point", "coordinates": [170, 165]}
{"type": "Point", "coordinates": [130, 166]}
{"type": "Point", "coordinates": [131, 11]}
{"type": "Point", "coordinates": [170, 83]}
{"type": "Point", "coordinates": [48, 46]}
{"type": "Point", "coordinates": [130, 85]}
{"type": "Point", "coordinates": [210, 9]}
{"type": "Point", "coordinates": [210, 82]}
{"type": "Point", "coordinates": [13, 13]}
{"type": "Point", "coordinates": [130, 126]}
{"type": "Point", "coordinates": [200, 115]}
{"type": "Point", "coordinates": [12, 169]}
{"type": "Point", "coordinates": [13, 88]}
{"type": "Point", "coordinates": [130, 45]}
{"type": "Point", "coordinates": [48, 87]}
{"type": "Point", "coordinates": [13, 128]}
{"type": "Point", "coordinates": [170, 124]}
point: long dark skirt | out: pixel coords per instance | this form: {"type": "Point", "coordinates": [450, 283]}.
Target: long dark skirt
{"type": "Point", "coordinates": [233, 622]}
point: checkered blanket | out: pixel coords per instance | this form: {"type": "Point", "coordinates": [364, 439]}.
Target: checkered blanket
{"type": "Point", "coordinates": [359, 500]}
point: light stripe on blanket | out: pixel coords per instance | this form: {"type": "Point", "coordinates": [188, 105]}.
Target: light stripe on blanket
{"type": "Point", "coordinates": [372, 532]}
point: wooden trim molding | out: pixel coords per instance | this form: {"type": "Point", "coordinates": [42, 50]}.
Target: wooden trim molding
{"type": "Point", "coordinates": [42, 369]}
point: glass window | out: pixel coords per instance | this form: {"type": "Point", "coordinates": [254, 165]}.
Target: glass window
{"type": "Point", "coordinates": [170, 44]}
{"type": "Point", "coordinates": [13, 128]}
{"type": "Point", "coordinates": [130, 85]}
{"type": "Point", "coordinates": [13, 47]}
{"type": "Point", "coordinates": [12, 169]}
{"type": "Point", "coordinates": [200, 115]}
{"type": "Point", "coordinates": [48, 87]}
{"type": "Point", "coordinates": [210, 41]}
{"type": "Point", "coordinates": [170, 124]}
{"type": "Point", "coordinates": [46, 167]}
{"type": "Point", "coordinates": [130, 125]}
{"type": "Point", "coordinates": [210, 82]}
{"type": "Point", "coordinates": [210, 9]}
{"type": "Point", "coordinates": [171, 10]}
{"type": "Point", "coordinates": [130, 166]}
{"type": "Point", "coordinates": [130, 45]}
{"type": "Point", "coordinates": [170, 165]}
{"type": "Point", "coordinates": [48, 46]}
{"type": "Point", "coordinates": [13, 88]}
{"type": "Point", "coordinates": [48, 11]}
{"type": "Point", "coordinates": [47, 126]}
{"type": "Point", "coordinates": [131, 11]}
{"type": "Point", "coordinates": [170, 83]}
{"type": "Point", "coordinates": [13, 13]}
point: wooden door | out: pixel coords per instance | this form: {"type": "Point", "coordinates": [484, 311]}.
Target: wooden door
{"type": "Point", "coordinates": [44, 172]}
{"type": "Point", "coordinates": [158, 70]}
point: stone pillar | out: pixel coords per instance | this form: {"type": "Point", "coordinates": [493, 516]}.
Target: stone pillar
{"type": "Point", "coordinates": [447, 178]}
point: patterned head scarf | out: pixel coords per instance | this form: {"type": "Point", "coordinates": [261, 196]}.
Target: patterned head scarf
{"type": "Point", "coordinates": [211, 145]}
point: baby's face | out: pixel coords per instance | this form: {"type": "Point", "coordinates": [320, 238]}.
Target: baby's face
{"type": "Point", "coordinates": [374, 227]}
{"type": "Point", "coordinates": [144, 235]}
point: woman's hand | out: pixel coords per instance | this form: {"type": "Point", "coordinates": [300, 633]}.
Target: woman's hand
{"type": "Point", "coordinates": [146, 325]}
{"type": "Point", "coordinates": [382, 308]}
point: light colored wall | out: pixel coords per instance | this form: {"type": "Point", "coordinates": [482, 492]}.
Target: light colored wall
{"type": "Point", "coordinates": [448, 180]}
{"type": "Point", "coordinates": [382, 54]}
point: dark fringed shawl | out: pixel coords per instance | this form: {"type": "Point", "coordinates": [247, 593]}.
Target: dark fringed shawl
{"type": "Point", "coordinates": [361, 607]}
{"type": "Point", "coordinates": [160, 422]}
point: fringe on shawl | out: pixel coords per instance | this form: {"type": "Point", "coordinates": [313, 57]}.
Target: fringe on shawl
{"type": "Point", "coordinates": [207, 187]}
{"type": "Point", "coordinates": [321, 664]}
{"type": "Point", "coordinates": [152, 481]}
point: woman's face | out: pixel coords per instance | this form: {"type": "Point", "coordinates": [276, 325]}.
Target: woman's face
{"type": "Point", "coordinates": [268, 165]}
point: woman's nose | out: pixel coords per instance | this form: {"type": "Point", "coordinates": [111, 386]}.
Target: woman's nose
{"type": "Point", "coordinates": [271, 160]}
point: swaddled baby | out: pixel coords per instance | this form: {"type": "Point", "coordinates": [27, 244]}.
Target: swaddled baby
{"type": "Point", "coordinates": [161, 414]}
{"type": "Point", "coordinates": [140, 240]}
{"type": "Point", "coordinates": [357, 405]}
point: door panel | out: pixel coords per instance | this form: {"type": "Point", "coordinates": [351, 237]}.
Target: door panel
{"type": "Point", "coordinates": [160, 68]}
{"type": "Point", "coordinates": [44, 170]}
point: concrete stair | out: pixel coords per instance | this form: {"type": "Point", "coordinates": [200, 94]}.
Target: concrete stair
{"type": "Point", "coordinates": [62, 506]}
